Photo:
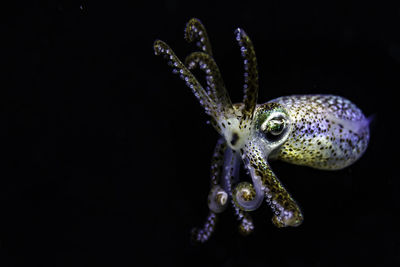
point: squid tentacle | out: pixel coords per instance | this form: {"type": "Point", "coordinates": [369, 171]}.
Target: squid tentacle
{"type": "Point", "coordinates": [247, 196]}
{"type": "Point", "coordinates": [250, 72]}
{"type": "Point", "coordinates": [217, 161]}
{"type": "Point", "coordinates": [246, 226]}
{"type": "Point", "coordinates": [217, 198]}
{"type": "Point", "coordinates": [286, 211]}
{"type": "Point", "coordinates": [195, 31]}
{"type": "Point", "coordinates": [203, 234]}
{"type": "Point", "coordinates": [161, 48]}
{"type": "Point", "coordinates": [232, 166]}
{"type": "Point", "coordinates": [215, 84]}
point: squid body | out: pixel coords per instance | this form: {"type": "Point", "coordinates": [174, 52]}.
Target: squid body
{"type": "Point", "coordinates": [321, 131]}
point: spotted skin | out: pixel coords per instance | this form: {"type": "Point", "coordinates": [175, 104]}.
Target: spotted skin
{"type": "Point", "coordinates": [329, 132]}
{"type": "Point", "coordinates": [320, 131]}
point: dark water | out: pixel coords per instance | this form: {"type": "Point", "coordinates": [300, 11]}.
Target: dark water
{"type": "Point", "coordinates": [106, 153]}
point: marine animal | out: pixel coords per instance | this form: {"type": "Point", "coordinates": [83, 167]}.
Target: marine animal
{"type": "Point", "coordinates": [326, 132]}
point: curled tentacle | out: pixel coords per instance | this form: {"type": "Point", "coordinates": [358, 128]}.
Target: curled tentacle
{"type": "Point", "coordinates": [161, 48]}
{"type": "Point", "coordinates": [250, 72]}
{"type": "Point", "coordinates": [215, 84]}
{"type": "Point", "coordinates": [232, 166]}
{"type": "Point", "coordinates": [249, 196]}
{"type": "Point", "coordinates": [243, 194]}
{"type": "Point", "coordinates": [217, 198]}
{"type": "Point", "coordinates": [195, 31]}
{"type": "Point", "coordinates": [286, 211]}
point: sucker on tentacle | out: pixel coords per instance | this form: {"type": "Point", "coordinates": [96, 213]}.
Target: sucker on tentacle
{"type": "Point", "coordinates": [215, 85]}
{"type": "Point", "coordinates": [320, 131]}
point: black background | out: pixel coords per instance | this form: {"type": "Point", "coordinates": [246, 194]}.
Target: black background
{"type": "Point", "coordinates": [106, 153]}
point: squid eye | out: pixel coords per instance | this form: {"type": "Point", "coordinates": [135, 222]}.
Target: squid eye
{"type": "Point", "coordinates": [274, 127]}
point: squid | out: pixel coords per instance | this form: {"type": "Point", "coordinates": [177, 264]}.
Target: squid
{"type": "Point", "coordinates": [321, 131]}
